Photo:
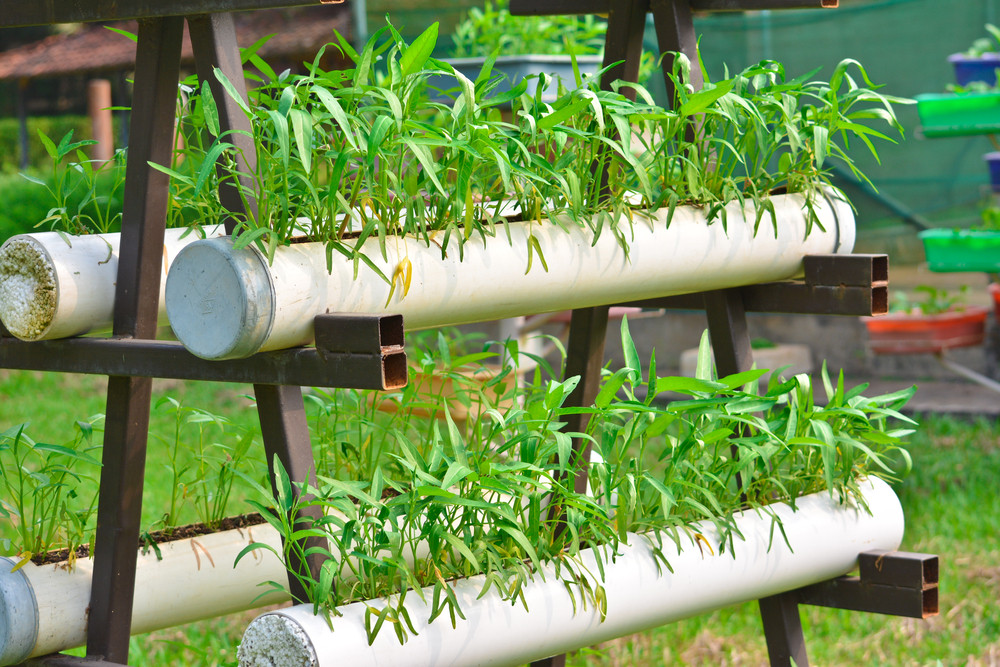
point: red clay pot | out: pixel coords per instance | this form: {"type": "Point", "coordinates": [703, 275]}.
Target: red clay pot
{"type": "Point", "coordinates": [906, 333]}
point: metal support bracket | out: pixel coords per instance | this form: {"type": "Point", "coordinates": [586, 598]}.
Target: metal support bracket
{"type": "Point", "coordinates": [895, 583]}
{"type": "Point", "coordinates": [351, 367]}
{"type": "Point", "coordinates": [833, 285]}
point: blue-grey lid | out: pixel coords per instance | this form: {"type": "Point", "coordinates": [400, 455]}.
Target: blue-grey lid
{"type": "Point", "coordinates": [220, 300]}
{"type": "Point", "coordinates": [18, 614]}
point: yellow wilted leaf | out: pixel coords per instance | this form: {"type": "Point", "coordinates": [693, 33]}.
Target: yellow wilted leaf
{"type": "Point", "coordinates": [404, 274]}
{"type": "Point", "coordinates": [25, 558]}
{"type": "Point", "coordinates": [698, 539]}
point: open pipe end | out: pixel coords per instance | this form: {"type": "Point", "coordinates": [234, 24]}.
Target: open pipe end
{"type": "Point", "coordinates": [276, 640]}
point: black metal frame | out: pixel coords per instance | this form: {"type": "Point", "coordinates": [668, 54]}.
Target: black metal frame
{"type": "Point", "coordinates": [366, 352]}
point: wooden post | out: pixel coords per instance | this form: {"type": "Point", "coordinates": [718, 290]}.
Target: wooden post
{"type": "Point", "coordinates": [99, 110]}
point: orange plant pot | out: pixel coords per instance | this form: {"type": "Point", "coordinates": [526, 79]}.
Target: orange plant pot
{"type": "Point", "coordinates": [907, 333]}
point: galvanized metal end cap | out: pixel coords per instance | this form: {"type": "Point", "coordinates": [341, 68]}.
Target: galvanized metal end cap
{"type": "Point", "coordinates": [219, 299]}
{"type": "Point", "coordinates": [18, 615]}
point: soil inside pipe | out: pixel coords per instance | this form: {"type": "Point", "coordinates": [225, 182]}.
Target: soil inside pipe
{"type": "Point", "coordinates": [160, 537]}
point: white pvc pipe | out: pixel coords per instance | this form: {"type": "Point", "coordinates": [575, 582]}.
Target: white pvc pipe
{"type": "Point", "coordinates": [226, 303]}
{"type": "Point", "coordinates": [825, 535]}
{"type": "Point", "coordinates": [55, 285]}
{"type": "Point", "coordinates": [43, 609]}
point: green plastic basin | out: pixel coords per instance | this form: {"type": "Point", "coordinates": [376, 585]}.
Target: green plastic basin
{"type": "Point", "coordinates": [962, 250]}
{"type": "Point", "coordinates": [957, 115]}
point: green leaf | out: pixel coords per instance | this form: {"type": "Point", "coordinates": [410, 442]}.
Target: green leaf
{"type": "Point", "coordinates": [821, 144]}
{"type": "Point", "coordinates": [231, 91]}
{"type": "Point", "coordinates": [50, 146]}
{"type": "Point", "coordinates": [302, 127]}
{"type": "Point", "coordinates": [337, 112]}
{"type": "Point", "coordinates": [416, 54]}
{"type": "Point", "coordinates": [703, 99]}
{"type": "Point", "coordinates": [209, 109]}
{"type": "Point", "coordinates": [549, 121]}
{"type": "Point", "coordinates": [631, 355]}
{"type": "Point", "coordinates": [611, 387]}
{"type": "Point", "coordinates": [280, 126]}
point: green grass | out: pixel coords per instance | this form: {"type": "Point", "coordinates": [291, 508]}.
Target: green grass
{"type": "Point", "coordinates": [950, 500]}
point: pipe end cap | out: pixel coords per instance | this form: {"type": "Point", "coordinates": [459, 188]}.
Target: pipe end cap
{"type": "Point", "coordinates": [219, 299]}
{"type": "Point", "coordinates": [18, 615]}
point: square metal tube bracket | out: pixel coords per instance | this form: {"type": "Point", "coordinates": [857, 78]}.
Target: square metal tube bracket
{"type": "Point", "coordinates": [833, 285]}
{"type": "Point", "coordinates": [895, 583]}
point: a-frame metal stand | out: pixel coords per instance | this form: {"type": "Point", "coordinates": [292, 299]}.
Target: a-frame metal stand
{"type": "Point", "coordinates": [849, 285]}
{"type": "Point", "coordinates": [366, 352]}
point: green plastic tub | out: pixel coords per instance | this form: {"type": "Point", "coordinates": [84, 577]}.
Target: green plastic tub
{"type": "Point", "coordinates": [958, 115]}
{"type": "Point", "coordinates": [962, 250]}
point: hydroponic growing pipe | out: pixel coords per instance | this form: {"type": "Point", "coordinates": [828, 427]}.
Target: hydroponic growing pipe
{"type": "Point", "coordinates": [43, 608]}
{"type": "Point", "coordinates": [252, 306]}
{"type": "Point", "coordinates": [824, 538]}
{"type": "Point", "coordinates": [54, 285]}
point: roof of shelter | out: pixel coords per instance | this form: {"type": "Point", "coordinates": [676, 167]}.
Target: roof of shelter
{"type": "Point", "coordinates": [94, 48]}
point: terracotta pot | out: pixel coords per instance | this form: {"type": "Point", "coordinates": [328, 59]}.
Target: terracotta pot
{"type": "Point", "coordinates": [907, 333]}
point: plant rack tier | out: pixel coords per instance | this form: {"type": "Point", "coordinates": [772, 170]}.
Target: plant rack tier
{"type": "Point", "coordinates": [821, 538]}
{"type": "Point", "coordinates": [75, 11]}
{"type": "Point", "coordinates": [527, 267]}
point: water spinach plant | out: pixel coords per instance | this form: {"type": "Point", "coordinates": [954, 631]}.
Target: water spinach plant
{"type": "Point", "coordinates": [449, 500]}
{"type": "Point", "coordinates": [48, 492]}
{"type": "Point", "coordinates": [344, 156]}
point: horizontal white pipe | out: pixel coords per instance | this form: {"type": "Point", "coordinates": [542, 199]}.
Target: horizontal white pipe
{"type": "Point", "coordinates": [43, 609]}
{"type": "Point", "coordinates": [825, 536]}
{"type": "Point", "coordinates": [226, 303]}
{"type": "Point", "coordinates": [54, 285]}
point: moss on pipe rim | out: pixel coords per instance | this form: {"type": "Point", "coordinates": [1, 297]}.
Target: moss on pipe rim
{"type": "Point", "coordinates": [28, 288]}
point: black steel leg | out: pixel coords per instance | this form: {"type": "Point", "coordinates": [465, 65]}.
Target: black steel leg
{"type": "Point", "coordinates": [623, 42]}
{"type": "Point", "coordinates": [584, 357]}
{"type": "Point", "coordinates": [675, 33]}
{"type": "Point", "coordinates": [136, 304]}
{"type": "Point", "coordinates": [786, 645]}
{"type": "Point", "coordinates": [286, 436]}
{"type": "Point", "coordinates": [727, 327]}
{"type": "Point", "coordinates": [213, 39]}
{"type": "Point", "coordinates": [280, 408]}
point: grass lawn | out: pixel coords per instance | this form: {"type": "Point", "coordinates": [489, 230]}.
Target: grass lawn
{"type": "Point", "coordinates": [950, 499]}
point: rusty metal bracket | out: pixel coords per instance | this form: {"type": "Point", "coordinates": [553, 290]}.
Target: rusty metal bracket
{"type": "Point", "coordinates": [896, 583]}
{"type": "Point", "coordinates": [833, 285]}
{"type": "Point", "coordinates": [307, 367]}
